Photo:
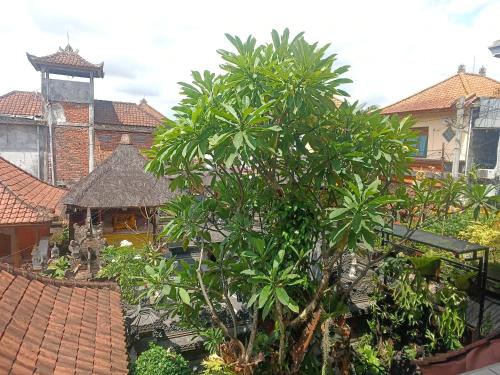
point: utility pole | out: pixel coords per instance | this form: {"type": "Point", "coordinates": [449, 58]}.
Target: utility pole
{"type": "Point", "coordinates": [459, 124]}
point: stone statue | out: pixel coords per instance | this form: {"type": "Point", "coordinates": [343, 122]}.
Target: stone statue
{"type": "Point", "coordinates": [88, 242]}
{"type": "Point", "coordinates": [36, 259]}
{"type": "Point", "coordinates": [54, 252]}
{"type": "Point", "coordinates": [39, 254]}
{"type": "Point", "coordinates": [74, 249]}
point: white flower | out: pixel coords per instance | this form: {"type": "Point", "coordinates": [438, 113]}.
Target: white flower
{"type": "Point", "coordinates": [125, 243]}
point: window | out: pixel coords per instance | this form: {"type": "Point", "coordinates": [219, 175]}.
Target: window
{"type": "Point", "coordinates": [421, 142]}
{"type": "Point", "coordinates": [139, 138]}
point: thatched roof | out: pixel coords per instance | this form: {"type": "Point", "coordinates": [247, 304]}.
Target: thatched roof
{"type": "Point", "coordinates": [120, 181]}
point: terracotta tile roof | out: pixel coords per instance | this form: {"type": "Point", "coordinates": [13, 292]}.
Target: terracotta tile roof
{"type": "Point", "coordinates": [122, 113]}
{"type": "Point", "coordinates": [21, 103]}
{"type": "Point", "coordinates": [444, 94]}
{"type": "Point", "coordinates": [153, 112]}
{"type": "Point", "coordinates": [24, 198]}
{"type": "Point", "coordinates": [50, 326]}
{"type": "Point", "coordinates": [106, 112]}
{"type": "Point", "coordinates": [66, 58]}
{"type": "Point", "coordinates": [479, 354]}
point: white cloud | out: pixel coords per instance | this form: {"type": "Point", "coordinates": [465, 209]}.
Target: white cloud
{"type": "Point", "coordinates": [394, 47]}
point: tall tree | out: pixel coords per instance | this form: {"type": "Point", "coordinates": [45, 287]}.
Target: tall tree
{"type": "Point", "coordinates": [287, 180]}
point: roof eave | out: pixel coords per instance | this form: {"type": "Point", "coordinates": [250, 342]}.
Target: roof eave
{"type": "Point", "coordinates": [417, 111]}
{"type": "Point", "coordinates": [68, 70]}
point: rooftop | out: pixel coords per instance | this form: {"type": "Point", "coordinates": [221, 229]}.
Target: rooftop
{"type": "Point", "coordinates": [106, 112]}
{"type": "Point", "coordinates": [59, 326]}
{"type": "Point", "coordinates": [24, 199]}
{"type": "Point", "coordinates": [474, 356]}
{"type": "Point", "coordinates": [443, 95]}
{"type": "Point", "coordinates": [66, 61]}
{"type": "Point", "coordinates": [120, 181]}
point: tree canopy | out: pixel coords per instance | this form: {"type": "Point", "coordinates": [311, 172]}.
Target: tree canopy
{"type": "Point", "coordinates": [288, 183]}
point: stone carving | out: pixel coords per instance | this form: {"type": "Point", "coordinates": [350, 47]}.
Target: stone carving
{"type": "Point", "coordinates": [74, 249]}
{"type": "Point", "coordinates": [36, 259]}
{"type": "Point", "coordinates": [88, 243]}
{"type": "Point", "coordinates": [54, 252]}
{"type": "Point", "coordinates": [39, 254]}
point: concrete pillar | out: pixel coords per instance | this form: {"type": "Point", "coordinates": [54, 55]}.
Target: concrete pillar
{"type": "Point", "coordinates": [15, 250]}
{"type": "Point", "coordinates": [91, 125]}
{"type": "Point", "coordinates": [459, 124]}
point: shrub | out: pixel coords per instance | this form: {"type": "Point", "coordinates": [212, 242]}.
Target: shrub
{"type": "Point", "coordinates": [58, 268]}
{"type": "Point", "coordinates": [367, 361]}
{"type": "Point", "coordinates": [160, 361]}
{"type": "Point", "coordinates": [126, 265]}
{"type": "Point", "coordinates": [214, 365]}
{"type": "Point", "coordinates": [484, 234]}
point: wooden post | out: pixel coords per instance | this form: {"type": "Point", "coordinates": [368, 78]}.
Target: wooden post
{"type": "Point", "coordinates": [91, 125]}
{"type": "Point", "coordinates": [16, 255]}
{"type": "Point", "coordinates": [153, 219]}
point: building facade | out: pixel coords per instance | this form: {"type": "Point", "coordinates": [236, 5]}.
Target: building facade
{"type": "Point", "coordinates": [61, 132]}
{"type": "Point", "coordinates": [446, 115]}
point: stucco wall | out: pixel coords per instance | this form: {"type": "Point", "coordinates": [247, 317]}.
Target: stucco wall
{"type": "Point", "coordinates": [20, 145]}
{"type": "Point", "coordinates": [435, 122]}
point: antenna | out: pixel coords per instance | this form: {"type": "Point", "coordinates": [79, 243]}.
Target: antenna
{"type": "Point", "coordinates": [67, 36]}
{"type": "Point", "coordinates": [474, 65]}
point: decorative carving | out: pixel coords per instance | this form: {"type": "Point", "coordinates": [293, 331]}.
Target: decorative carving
{"type": "Point", "coordinates": [54, 252]}
{"type": "Point", "coordinates": [39, 255]}
{"type": "Point", "coordinates": [74, 249]}
{"type": "Point", "coordinates": [88, 243]}
{"type": "Point", "coordinates": [36, 259]}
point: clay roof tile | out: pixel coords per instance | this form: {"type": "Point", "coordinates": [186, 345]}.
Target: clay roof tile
{"type": "Point", "coordinates": [39, 331]}
{"type": "Point", "coordinates": [444, 94]}
{"type": "Point", "coordinates": [24, 198]}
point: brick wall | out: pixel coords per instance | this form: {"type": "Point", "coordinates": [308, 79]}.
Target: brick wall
{"type": "Point", "coordinates": [71, 149]}
{"type": "Point", "coordinates": [71, 154]}
{"type": "Point", "coordinates": [107, 140]}
{"type": "Point", "coordinates": [76, 113]}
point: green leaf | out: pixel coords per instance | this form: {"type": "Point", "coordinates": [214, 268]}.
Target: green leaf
{"type": "Point", "coordinates": [230, 160]}
{"type": "Point", "coordinates": [259, 244]}
{"type": "Point", "coordinates": [267, 308]}
{"type": "Point", "coordinates": [264, 295]}
{"type": "Point", "coordinates": [150, 270]}
{"type": "Point", "coordinates": [238, 140]}
{"type": "Point", "coordinates": [336, 212]}
{"type": "Point", "coordinates": [233, 113]}
{"type": "Point", "coordinates": [282, 296]}
{"type": "Point", "coordinates": [184, 296]}
{"type": "Point", "coordinates": [292, 305]}
{"type": "Point", "coordinates": [252, 300]}
{"type": "Point", "coordinates": [248, 272]}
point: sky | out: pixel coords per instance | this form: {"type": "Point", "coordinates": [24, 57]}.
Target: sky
{"type": "Point", "coordinates": [394, 47]}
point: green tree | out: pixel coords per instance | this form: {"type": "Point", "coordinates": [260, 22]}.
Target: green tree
{"type": "Point", "coordinates": [290, 183]}
{"type": "Point", "coordinates": [160, 361]}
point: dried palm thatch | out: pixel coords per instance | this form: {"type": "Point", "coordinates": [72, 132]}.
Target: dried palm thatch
{"type": "Point", "coordinates": [120, 181]}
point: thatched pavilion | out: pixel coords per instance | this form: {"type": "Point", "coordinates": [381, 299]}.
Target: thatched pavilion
{"type": "Point", "coordinates": [121, 195]}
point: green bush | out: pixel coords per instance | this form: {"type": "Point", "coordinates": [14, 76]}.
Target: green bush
{"type": "Point", "coordinates": [367, 361]}
{"type": "Point", "coordinates": [160, 361]}
{"type": "Point", "coordinates": [57, 269]}
{"type": "Point", "coordinates": [127, 265]}
{"type": "Point", "coordinates": [214, 365]}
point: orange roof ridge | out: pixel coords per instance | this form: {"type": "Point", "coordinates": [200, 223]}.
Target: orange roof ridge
{"type": "Point", "coordinates": [144, 105]}
{"type": "Point", "coordinates": [421, 91]}
{"type": "Point", "coordinates": [463, 79]}
{"type": "Point", "coordinates": [444, 94]}
{"type": "Point", "coordinates": [25, 198]}
{"type": "Point", "coordinates": [2, 159]}
{"type": "Point", "coordinates": [58, 282]}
